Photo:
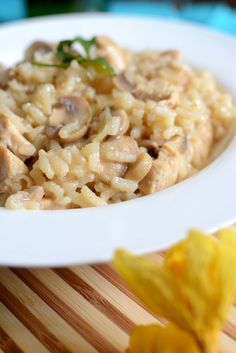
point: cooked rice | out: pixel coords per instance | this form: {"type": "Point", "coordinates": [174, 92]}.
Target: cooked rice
{"type": "Point", "coordinates": [152, 125]}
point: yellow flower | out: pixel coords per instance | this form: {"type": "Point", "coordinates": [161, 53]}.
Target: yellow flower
{"type": "Point", "coordinates": [193, 288]}
{"type": "Point", "coordinates": [156, 339]}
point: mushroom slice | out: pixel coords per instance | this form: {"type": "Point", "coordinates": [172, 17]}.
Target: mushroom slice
{"type": "Point", "coordinates": [110, 50]}
{"type": "Point", "coordinates": [52, 131]}
{"type": "Point", "coordinates": [152, 147]}
{"type": "Point", "coordinates": [38, 47]}
{"type": "Point", "coordinates": [111, 170]}
{"type": "Point", "coordinates": [124, 120]}
{"type": "Point", "coordinates": [10, 167]}
{"type": "Point", "coordinates": [150, 144]}
{"type": "Point", "coordinates": [138, 170]}
{"type": "Point", "coordinates": [164, 93]}
{"type": "Point", "coordinates": [72, 118]}
{"type": "Point", "coordinates": [14, 140]}
{"type": "Point", "coordinates": [172, 100]}
{"type": "Point", "coordinates": [123, 149]}
{"type": "Point", "coordinates": [169, 99]}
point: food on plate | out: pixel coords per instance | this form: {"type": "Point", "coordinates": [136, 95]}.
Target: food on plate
{"type": "Point", "coordinates": [87, 123]}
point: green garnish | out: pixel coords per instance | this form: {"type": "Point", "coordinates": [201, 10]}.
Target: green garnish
{"type": "Point", "coordinates": [86, 44]}
{"type": "Point", "coordinates": [100, 65]}
{"type": "Point", "coordinates": [39, 63]}
{"type": "Point", "coordinates": [65, 53]}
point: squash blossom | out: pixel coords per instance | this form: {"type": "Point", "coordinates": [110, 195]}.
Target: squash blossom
{"type": "Point", "coordinates": [156, 338]}
{"type": "Point", "coordinates": [193, 288]}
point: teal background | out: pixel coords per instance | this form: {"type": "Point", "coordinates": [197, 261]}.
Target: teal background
{"type": "Point", "coordinates": [216, 15]}
{"type": "Point", "coordinates": [12, 9]}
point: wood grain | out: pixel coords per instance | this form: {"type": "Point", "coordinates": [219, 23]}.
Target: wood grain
{"type": "Point", "coordinates": [6, 343]}
{"type": "Point", "coordinates": [84, 309]}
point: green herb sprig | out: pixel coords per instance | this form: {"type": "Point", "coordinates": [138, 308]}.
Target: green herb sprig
{"type": "Point", "coordinates": [65, 53]}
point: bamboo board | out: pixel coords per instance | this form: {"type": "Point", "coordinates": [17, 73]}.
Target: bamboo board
{"type": "Point", "coordinates": [84, 309]}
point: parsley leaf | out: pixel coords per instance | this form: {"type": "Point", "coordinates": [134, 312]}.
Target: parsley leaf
{"type": "Point", "coordinates": [65, 53]}
{"type": "Point", "coordinates": [39, 63]}
{"type": "Point", "coordinates": [86, 44]}
{"type": "Point", "coordinates": [100, 65]}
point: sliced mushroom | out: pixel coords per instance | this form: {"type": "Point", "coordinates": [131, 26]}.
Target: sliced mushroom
{"type": "Point", "coordinates": [171, 101]}
{"type": "Point", "coordinates": [122, 83]}
{"type": "Point", "coordinates": [121, 149]}
{"type": "Point", "coordinates": [138, 170]}
{"type": "Point", "coordinates": [150, 144]}
{"type": "Point", "coordinates": [152, 147]}
{"type": "Point", "coordinates": [112, 52]}
{"type": "Point", "coordinates": [37, 47]}
{"type": "Point", "coordinates": [111, 170]}
{"type": "Point", "coordinates": [124, 120]}
{"type": "Point", "coordinates": [164, 93]}
{"type": "Point", "coordinates": [14, 140]}
{"type": "Point", "coordinates": [52, 131]}
{"type": "Point", "coordinates": [71, 117]}
{"type": "Point", "coordinates": [10, 167]}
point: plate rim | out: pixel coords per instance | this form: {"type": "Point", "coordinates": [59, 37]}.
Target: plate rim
{"type": "Point", "coordinates": [226, 155]}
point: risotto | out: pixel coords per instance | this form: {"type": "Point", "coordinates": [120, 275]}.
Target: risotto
{"type": "Point", "coordinates": [87, 123]}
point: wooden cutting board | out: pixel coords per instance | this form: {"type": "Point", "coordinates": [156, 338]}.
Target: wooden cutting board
{"type": "Point", "coordinates": [84, 309]}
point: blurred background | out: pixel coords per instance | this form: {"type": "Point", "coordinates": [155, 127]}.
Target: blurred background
{"type": "Point", "coordinates": [218, 14]}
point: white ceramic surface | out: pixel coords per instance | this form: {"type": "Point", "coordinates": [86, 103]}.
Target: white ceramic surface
{"type": "Point", "coordinates": [206, 201]}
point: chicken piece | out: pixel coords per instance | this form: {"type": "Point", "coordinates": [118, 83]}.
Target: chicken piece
{"type": "Point", "coordinates": [178, 158]}
{"type": "Point", "coordinates": [112, 52]}
{"type": "Point", "coordinates": [165, 169]}
{"type": "Point", "coordinates": [14, 140]}
{"type": "Point", "coordinates": [10, 167]}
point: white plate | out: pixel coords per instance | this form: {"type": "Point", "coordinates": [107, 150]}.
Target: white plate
{"type": "Point", "coordinates": [206, 201]}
